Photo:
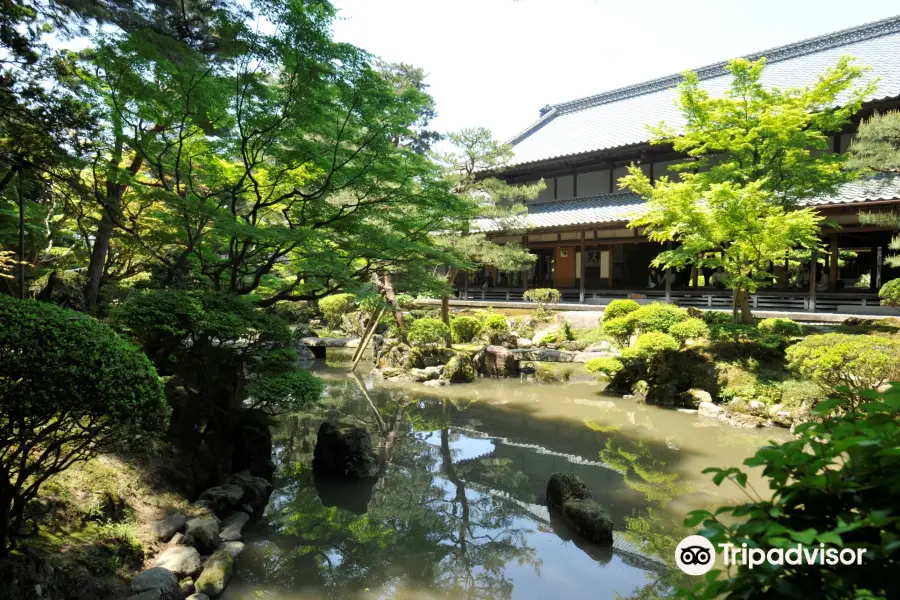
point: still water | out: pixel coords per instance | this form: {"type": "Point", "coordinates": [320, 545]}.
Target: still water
{"type": "Point", "coordinates": [458, 511]}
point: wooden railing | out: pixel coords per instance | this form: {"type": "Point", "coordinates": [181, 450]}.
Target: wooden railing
{"type": "Point", "coordinates": [772, 300]}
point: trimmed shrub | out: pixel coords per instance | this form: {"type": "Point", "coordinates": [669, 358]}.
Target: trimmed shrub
{"type": "Point", "coordinates": [606, 366]}
{"type": "Point", "coordinates": [620, 329]}
{"type": "Point", "coordinates": [336, 306]}
{"type": "Point", "coordinates": [657, 317]}
{"type": "Point", "coordinates": [69, 388]}
{"type": "Point", "coordinates": [689, 329]}
{"type": "Point", "coordinates": [795, 392]}
{"type": "Point", "coordinates": [464, 329]}
{"type": "Point", "coordinates": [890, 293]}
{"type": "Point", "coordinates": [619, 308]}
{"type": "Point", "coordinates": [428, 333]}
{"type": "Point", "coordinates": [651, 344]}
{"type": "Point", "coordinates": [543, 297]}
{"type": "Point", "coordinates": [836, 359]}
{"type": "Point", "coordinates": [782, 327]}
{"type": "Point", "coordinates": [495, 328]}
{"type": "Point", "coordinates": [717, 317]}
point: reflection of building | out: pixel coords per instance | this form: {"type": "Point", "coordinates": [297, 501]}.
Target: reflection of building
{"type": "Point", "coordinates": [577, 227]}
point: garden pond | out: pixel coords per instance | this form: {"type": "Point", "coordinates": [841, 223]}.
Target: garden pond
{"type": "Point", "coordinates": [458, 511]}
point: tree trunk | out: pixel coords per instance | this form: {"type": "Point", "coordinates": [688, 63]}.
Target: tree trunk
{"type": "Point", "coordinates": [7, 497]}
{"type": "Point", "coordinates": [391, 297]}
{"type": "Point", "coordinates": [99, 252]}
{"type": "Point", "coordinates": [744, 301]}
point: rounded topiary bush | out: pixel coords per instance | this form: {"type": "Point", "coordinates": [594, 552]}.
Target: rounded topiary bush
{"type": "Point", "coordinates": [428, 333]}
{"type": "Point", "coordinates": [836, 359]}
{"type": "Point", "coordinates": [890, 293]}
{"type": "Point", "coordinates": [465, 329]}
{"type": "Point", "coordinates": [69, 388]}
{"type": "Point", "coordinates": [784, 327]}
{"type": "Point", "coordinates": [495, 328]}
{"type": "Point", "coordinates": [620, 329]}
{"type": "Point", "coordinates": [651, 344]}
{"type": "Point", "coordinates": [689, 329]}
{"type": "Point", "coordinates": [657, 317]}
{"type": "Point", "coordinates": [336, 306]}
{"type": "Point", "coordinates": [619, 308]}
{"type": "Point", "coordinates": [607, 366]}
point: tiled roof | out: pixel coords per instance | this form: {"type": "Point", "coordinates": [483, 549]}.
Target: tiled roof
{"type": "Point", "coordinates": [622, 206]}
{"type": "Point", "coordinates": [619, 117]}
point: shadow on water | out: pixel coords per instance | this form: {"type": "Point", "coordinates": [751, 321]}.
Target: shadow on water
{"type": "Point", "coordinates": [458, 511]}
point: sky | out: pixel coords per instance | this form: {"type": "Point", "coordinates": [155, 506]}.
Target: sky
{"type": "Point", "coordinates": [495, 63]}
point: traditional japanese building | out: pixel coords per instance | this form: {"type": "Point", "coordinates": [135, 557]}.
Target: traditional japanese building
{"type": "Point", "coordinates": [578, 229]}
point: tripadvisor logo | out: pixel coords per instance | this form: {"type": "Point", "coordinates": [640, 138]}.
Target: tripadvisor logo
{"type": "Point", "coordinates": [695, 555]}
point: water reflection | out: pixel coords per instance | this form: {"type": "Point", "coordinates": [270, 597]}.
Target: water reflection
{"type": "Point", "coordinates": [458, 511]}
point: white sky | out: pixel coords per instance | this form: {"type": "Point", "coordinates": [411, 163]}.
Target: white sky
{"type": "Point", "coordinates": [495, 63]}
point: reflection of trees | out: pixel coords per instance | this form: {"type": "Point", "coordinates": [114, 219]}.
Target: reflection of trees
{"type": "Point", "coordinates": [652, 529]}
{"type": "Point", "coordinates": [427, 525]}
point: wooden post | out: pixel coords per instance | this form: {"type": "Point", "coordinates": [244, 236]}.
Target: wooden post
{"type": "Point", "coordinates": [581, 270]}
{"type": "Point", "coordinates": [833, 264]}
{"type": "Point", "coordinates": [525, 272]}
{"type": "Point", "coordinates": [878, 260]}
{"type": "Point", "coordinates": [466, 284]}
{"type": "Point", "coordinates": [813, 269]}
{"type": "Point", "coordinates": [367, 337]}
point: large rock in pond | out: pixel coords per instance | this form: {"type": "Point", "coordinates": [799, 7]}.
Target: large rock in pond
{"type": "Point", "coordinates": [569, 497]}
{"type": "Point", "coordinates": [205, 533]}
{"type": "Point", "coordinates": [589, 519]}
{"type": "Point", "coordinates": [460, 369]}
{"type": "Point", "coordinates": [564, 487]}
{"type": "Point", "coordinates": [216, 573]}
{"type": "Point", "coordinates": [183, 561]}
{"type": "Point", "coordinates": [496, 361]}
{"type": "Point", "coordinates": [344, 453]}
{"type": "Point", "coordinates": [157, 578]}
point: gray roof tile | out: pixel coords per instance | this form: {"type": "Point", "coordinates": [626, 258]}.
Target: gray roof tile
{"type": "Point", "coordinates": [620, 117]}
{"type": "Point", "coordinates": [622, 206]}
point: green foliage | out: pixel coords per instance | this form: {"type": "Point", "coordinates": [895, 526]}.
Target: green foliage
{"type": "Point", "coordinates": [890, 293]}
{"type": "Point", "coordinates": [544, 298]}
{"type": "Point", "coordinates": [336, 306]}
{"type": "Point", "coordinates": [658, 316]}
{"type": "Point", "coordinates": [876, 146]}
{"type": "Point", "coordinates": [566, 331]}
{"type": "Point", "coordinates": [783, 327]}
{"type": "Point", "coordinates": [796, 392]}
{"type": "Point", "coordinates": [714, 317]}
{"type": "Point", "coordinates": [465, 329]}
{"type": "Point", "coordinates": [522, 327]}
{"type": "Point", "coordinates": [494, 328]}
{"type": "Point", "coordinates": [619, 308]}
{"type": "Point", "coordinates": [549, 338]}
{"type": "Point", "coordinates": [594, 336]}
{"type": "Point", "coordinates": [651, 344]}
{"type": "Point", "coordinates": [214, 343]}
{"type": "Point", "coordinates": [606, 366]}
{"type": "Point", "coordinates": [836, 360]}
{"type": "Point", "coordinates": [755, 153]}
{"type": "Point", "coordinates": [689, 329]}
{"type": "Point", "coordinates": [620, 329]}
{"type": "Point", "coordinates": [835, 484]}
{"type": "Point", "coordinates": [69, 389]}
{"type": "Point", "coordinates": [428, 333]}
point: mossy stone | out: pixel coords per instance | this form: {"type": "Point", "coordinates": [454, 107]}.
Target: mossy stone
{"type": "Point", "coordinates": [216, 573]}
{"type": "Point", "coordinates": [589, 519]}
